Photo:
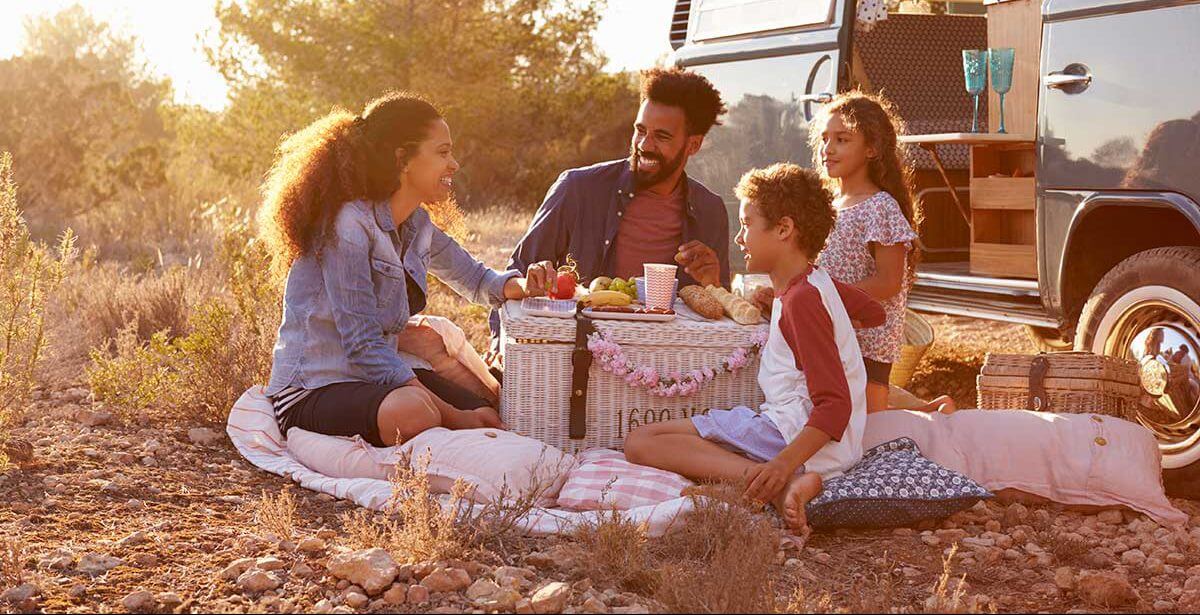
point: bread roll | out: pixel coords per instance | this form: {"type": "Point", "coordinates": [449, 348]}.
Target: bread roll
{"type": "Point", "coordinates": [740, 310]}
{"type": "Point", "coordinates": [701, 302]}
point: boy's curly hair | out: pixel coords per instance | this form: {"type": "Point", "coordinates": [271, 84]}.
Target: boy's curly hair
{"type": "Point", "coordinates": [700, 101]}
{"type": "Point", "coordinates": [786, 189]}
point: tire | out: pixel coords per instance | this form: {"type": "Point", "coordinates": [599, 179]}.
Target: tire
{"type": "Point", "coordinates": [1046, 340]}
{"type": "Point", "coordinates": [1141, 309]}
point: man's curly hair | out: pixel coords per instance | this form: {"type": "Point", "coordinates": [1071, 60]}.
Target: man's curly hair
{"type": "Point", "coordinates": [785, 189]}
{"type": "Point", "coordinates": [675, 87]}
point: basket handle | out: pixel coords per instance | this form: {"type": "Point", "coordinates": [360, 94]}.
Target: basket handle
{"type": "Point", "coordinates": [581, 363]}
{"type": "Point", "coordinates": [1039, 400]}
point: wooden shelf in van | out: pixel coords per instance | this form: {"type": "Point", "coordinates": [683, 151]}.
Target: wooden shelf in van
{"type": "Point", "coordinates": [1002, 193]}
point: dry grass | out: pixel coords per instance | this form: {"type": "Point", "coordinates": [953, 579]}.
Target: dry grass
{"type": "Point", "coordinates": [946, 595]}
{"type": "Point", "coordinates": [617, 553]}
{"type": "Point", "coordinates": [718, 560]}
{"type": "Point", "coordinates": [277, 513]}
{"type": "Point", "coordinates": [12, 562]}
{"type": "Point", "coordinates": [108, 299]}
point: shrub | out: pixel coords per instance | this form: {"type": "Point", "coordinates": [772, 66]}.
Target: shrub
{"type": "Point", "coordinates": [227, 347]}
{"type": "Point", "coordinates": [29, 273]}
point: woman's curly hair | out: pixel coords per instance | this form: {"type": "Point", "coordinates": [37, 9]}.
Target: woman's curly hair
{"type": "Point", "coordinates": [785, 189]}
{"type": "Point", "coordinates": [876, 119]}
{"type": "Point", "coordinates": [337, 159]}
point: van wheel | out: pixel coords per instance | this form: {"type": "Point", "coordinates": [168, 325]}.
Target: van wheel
{"type": "Point", "coordinates": [1147, 309]}
{"type": "Point", "coordinates": [1047, 340]}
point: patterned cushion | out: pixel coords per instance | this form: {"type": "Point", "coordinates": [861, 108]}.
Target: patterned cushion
{"type": "Point", "coordinates": [892, 486]}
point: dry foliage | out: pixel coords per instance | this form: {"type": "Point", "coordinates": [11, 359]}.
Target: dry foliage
{"type": "Point", "coordinates": [12, 562]}
{"type": "Point", "coordinates": [719, 559]}
{"type": "Point", "coordinates": [946, 595]}
{"type": "Point", "coordinates": [30, 272]}
{"type": "Point", "coordinates": [618, 552]}
{"type": "Point", "coordinates": [277, 514]}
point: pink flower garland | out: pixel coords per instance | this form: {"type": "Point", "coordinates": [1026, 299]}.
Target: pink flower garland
{"type": "Point", "coordinates": [611, 358]}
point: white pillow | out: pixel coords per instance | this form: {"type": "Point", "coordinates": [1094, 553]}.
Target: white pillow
{"type": "Point", "coordinates": [493, 461]}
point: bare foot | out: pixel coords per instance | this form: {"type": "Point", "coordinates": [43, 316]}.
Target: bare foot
{"type": "Point", "coordinates": [790, 503]}
{"type": "Point", "coordinates": [944, 404]}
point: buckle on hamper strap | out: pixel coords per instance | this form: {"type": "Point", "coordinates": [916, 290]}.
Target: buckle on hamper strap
{"type": "Point", "coordinates": [581, 363]}
{"type": "Point", "coordinates": [1039, 399]}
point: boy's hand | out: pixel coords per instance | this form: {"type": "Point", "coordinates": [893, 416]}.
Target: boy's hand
{"type": "Point", "coordinates": [765, 481]}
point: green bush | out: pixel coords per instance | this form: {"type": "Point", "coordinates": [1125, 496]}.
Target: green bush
{"type": "Point", "coordinates": [227, 347]}
{"type": "Point", "coordinates": [29, 273]}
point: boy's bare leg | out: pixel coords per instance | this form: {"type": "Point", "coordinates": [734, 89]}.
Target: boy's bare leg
{"type": "Point", "coordinates": [677, 447]}
{"type": "Point", "coordinates": [877, 397]}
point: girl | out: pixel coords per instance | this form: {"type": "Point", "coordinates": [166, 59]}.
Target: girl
{"type": "Point", "coordinates": [344, 222]}
{"type": "Point", "coordinates": [853, 141]}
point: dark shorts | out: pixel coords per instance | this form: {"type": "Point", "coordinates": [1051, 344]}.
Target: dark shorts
{"type": "Point", "coordinates": [352, 408]}
{"type": "Point", "coordinates": [878, 371]}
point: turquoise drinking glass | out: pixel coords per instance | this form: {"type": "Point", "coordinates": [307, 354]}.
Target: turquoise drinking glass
{"type": "Point", "coordinates": [1000, 60]}
{"type": "Point", "coordinates": [975, 67]}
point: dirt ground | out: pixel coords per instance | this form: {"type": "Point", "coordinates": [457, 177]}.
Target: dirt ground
{"type": "Point", "coordinates": [112, 516]}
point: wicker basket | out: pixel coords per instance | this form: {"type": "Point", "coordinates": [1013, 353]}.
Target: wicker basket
{"type": "Point", "coordinates": [918, 336]}
{"type": "Point", "coordinates": [1073, 382]}
{"type": "Point", "coordinates": [535, 400]}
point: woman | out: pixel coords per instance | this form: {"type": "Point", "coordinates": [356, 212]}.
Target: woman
{"type": "Point", "coordinates": [344, 222]}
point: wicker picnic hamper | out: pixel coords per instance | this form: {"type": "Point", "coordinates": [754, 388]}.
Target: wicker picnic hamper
{"type": "Point", "coordinates": [538, 360]}
{"type": "Point", "coordinates": [1066, 382]}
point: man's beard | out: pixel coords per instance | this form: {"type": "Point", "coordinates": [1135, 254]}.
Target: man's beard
{"type": "Point", "coordinates": [642, 179]}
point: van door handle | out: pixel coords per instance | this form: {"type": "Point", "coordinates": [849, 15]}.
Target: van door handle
{"type": "Point", "coordinates": [821, 98]}
{"type": "Point", "coordinates": [1072, 79]}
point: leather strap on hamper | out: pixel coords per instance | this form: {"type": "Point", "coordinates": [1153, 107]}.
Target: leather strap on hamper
{"type": "Point", "coordinates": [1038, 398]}
{"type": "Point", "coordinates": [581, 362]}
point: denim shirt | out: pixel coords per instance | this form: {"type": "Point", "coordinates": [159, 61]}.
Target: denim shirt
{"type": "Point", "coordinates": [582, 212]}
{"type": "Point", "coordinates": [344, 304]}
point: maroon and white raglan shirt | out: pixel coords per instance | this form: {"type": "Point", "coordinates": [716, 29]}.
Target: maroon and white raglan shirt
{"type": "Point", "coordinates": [812, 370]}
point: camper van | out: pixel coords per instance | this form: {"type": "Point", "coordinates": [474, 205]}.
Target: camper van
{"type": "Point", "coordinates": [1081, 221]}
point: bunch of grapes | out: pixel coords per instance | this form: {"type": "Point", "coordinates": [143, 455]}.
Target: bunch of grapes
{"type": "Point", "coordinates": [629, 287]}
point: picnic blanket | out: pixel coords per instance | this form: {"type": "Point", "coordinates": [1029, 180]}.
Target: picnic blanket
{"type": "Point", "coordinates": [255, 434]}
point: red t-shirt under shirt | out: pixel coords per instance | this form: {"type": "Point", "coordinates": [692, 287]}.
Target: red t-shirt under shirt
{"type": "Point", "coordinates": [650, 231]}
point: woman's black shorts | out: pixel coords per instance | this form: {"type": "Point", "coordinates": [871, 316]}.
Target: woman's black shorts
{"type": "Point", "coordinates": [352, 408]}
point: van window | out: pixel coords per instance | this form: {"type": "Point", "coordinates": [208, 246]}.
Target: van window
{"type": "Point", "coordinates": [721, 18]}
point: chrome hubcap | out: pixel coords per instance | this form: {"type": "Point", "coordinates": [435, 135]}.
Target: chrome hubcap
{"type": "Point", "coordinates": [1164, 340]}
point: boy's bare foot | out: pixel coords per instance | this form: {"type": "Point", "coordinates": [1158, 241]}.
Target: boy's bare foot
{"type": "Point", "coordinates": [790, 503]}
{"type": "Point", "coordinates": [944, 404]}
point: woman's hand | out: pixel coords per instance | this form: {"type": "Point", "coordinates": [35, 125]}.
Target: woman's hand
{"type": "Point", "coordinates": [538, 281]}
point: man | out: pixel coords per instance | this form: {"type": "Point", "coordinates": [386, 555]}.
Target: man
{"type": "Point", "coordinates": [613, 217]}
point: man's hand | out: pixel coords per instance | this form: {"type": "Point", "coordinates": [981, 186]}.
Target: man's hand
{"type": "Point", "coordinates": [766, 481]}
{"type": "Point", "coordinates": [700, 262]}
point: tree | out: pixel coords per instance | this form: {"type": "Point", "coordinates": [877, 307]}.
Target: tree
{"type": "Point", "coordinates": [81, 119]}
{"type": "Point", "coordinates": [521, 81]}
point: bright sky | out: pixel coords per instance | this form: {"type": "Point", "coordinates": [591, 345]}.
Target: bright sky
{"type": "Point", "coordinates": [633, 34]}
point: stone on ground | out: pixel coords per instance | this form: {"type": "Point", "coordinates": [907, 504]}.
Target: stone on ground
{"type": "Point", "coordinates": [372, 569]}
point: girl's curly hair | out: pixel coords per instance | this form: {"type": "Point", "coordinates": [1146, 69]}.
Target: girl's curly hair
{"type": "Point", "coordinates": [876, 119]}
{"type": "Point", "coordinates": [786, 189]}
{"type": "Point", "coordinates": [337, 159]}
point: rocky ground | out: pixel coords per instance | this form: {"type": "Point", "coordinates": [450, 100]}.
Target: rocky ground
{"type": "Point", "coordinates": [113, 515]}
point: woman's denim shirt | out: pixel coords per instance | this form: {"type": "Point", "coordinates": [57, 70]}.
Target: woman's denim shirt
{"type": "Point", "coordinates": [344, 305]}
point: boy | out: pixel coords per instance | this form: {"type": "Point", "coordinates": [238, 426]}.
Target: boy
{"type": "Point", "coordinates": [812, 375]}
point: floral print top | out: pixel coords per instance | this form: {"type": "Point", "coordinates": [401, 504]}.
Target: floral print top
{"type": "Point", "coordinates": [847, 257]}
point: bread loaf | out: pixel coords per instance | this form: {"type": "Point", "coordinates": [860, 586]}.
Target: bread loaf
{"type": "Point", "coordinates": [701, 302]}
{"type": "Point", "coordinates": [740, 310]}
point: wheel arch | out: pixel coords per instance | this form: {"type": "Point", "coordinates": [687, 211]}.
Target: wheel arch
{"type": "Point", "coordinates": [1105, 229]}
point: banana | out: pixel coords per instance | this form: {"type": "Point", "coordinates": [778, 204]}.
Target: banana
{"type": "Point", "coordinates": [608, 297]}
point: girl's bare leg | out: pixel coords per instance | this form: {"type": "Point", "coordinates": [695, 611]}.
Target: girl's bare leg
{"type": "Point", "coordinates": [877, 397]}
{"type": "Point", "coordinates": [677, 447]}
